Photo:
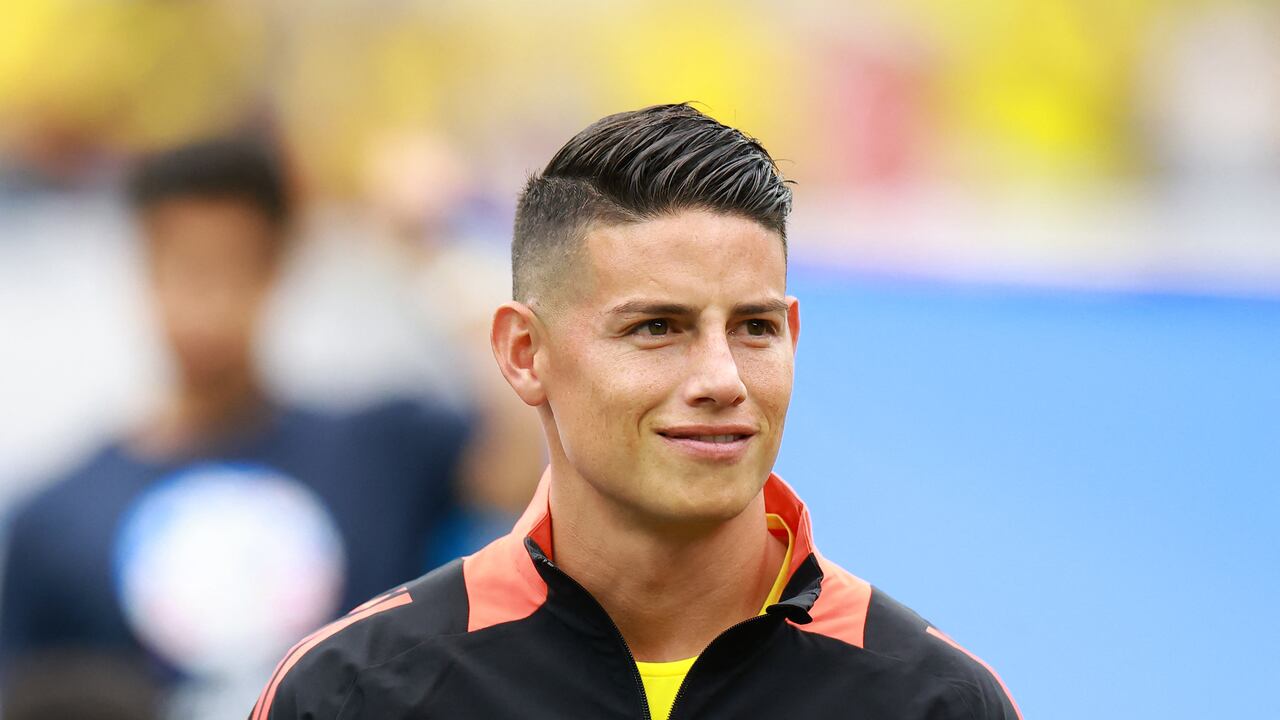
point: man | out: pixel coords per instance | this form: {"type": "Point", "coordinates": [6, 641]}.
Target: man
{"type": "Point", "coordinates": [661, 570]}
{"type": "Point", "coordinates": [202, 543]}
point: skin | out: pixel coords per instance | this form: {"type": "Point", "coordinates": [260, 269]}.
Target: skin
{"type": "Point", "coordinates": [672, 329]}
{"type": "Point", "coordinates": [211, 265]}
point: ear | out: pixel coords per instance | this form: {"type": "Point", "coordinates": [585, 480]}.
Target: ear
{"type": "Point", "coordinates": [793, 320]}
{"type": "Point", "coordinates": [516, 337]}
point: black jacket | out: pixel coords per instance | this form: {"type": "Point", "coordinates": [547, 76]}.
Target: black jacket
{"type": "Point", "coordinates": [505, 633]}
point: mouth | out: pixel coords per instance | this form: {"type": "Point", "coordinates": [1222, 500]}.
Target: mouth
{"type": "Point", "coordinates": [717, 439]}
{"type": "Point", "coordinates": [719, 443]}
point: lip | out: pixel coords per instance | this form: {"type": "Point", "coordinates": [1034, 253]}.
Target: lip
{"type": "Point", "coordinates": [683, 439]}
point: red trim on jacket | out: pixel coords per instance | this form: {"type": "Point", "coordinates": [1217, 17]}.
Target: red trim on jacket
{"type": "Point", "coordinates": [1005, 688]}
{"type": "Point", "coordinates": [503, 585]}
{"type": "Point", "coordinates": [263, 708]}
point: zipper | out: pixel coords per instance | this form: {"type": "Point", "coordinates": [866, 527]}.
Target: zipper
{"type": "Point", "coordinates": [680, 693]}
{"type": "Point", "coordinates": [635, 670]}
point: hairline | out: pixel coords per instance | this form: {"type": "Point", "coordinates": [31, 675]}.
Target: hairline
{"type": "Point", "coordinates": [549, 304]}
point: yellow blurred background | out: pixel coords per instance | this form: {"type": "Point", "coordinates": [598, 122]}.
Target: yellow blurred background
{"type": "Point", "coordinates": [1034, 113]}
{"type": "Point", "coordinates": [989, 89]}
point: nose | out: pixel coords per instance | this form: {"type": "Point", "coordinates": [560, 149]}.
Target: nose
{"type": "Point", "coordinates": [714, 378]}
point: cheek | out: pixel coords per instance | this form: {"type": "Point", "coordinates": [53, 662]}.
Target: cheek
{"type": "Point", "coordinates": [223, 316]}
{"type": "Point", "coordinates": [602, 392]}
{"type": "Point", "coordinates": [643, 380]}
{"type": "Point", "coordinates": [768, 377]}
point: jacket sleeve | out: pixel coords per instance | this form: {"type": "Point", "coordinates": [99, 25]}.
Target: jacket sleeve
{"type": "Point", "coordinates": [988, 697]}
{"type": "Point", "coordinates": [994, 702]}
{"type": "Point", "coordinates": [316, 680]}
{"type": "Point", "coordinates": [310, 683]}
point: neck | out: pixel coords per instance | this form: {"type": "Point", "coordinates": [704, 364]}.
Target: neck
{"type": "Point", "coordinates": [670, 588]}
{"type": "Point", "coordinates": [196, 413]}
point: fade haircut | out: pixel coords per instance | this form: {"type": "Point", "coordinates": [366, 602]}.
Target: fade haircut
{"type": "Point", "coordinates": [636, 166]}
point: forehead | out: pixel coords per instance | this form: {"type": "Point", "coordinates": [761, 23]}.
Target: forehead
{"type": "Point", "coordinates": [696, 257]}
{"type": "Point", "coordinates": [218, 227]}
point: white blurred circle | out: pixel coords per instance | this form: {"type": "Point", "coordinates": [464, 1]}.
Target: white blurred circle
{"type": "Point", "coordinates": [224, 566]}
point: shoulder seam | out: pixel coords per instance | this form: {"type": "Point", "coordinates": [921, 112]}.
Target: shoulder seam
{"type": "Point", "coordinates": [262, 710]}
{"type": "Point", "coordinates": [959, 687]}
{"type": "Point", "coordinates": [342, 709]}
{"type": "Point", "coordinates": [948, 680]}
{"type": "Point", "coordinates": [981, 665]}
{"type": "Point", "coordinates": [355, 681]}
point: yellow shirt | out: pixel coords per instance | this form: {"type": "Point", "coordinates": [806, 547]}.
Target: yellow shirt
{"type": "Point", "coordinates": [662, 680]}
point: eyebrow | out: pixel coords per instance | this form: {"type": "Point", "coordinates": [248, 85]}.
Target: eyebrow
{"type": "Point", "coordinates": [761, 308]}
{"type": "Point", "coordinates": [650, 307]}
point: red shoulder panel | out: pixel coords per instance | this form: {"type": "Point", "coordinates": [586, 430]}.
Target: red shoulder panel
{"type": "Point", "coordinates": [502, 583]}
{"type": "Point", "coordinates": [841, 609]}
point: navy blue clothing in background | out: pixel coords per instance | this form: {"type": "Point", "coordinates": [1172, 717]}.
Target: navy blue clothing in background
{"type": "Point", "coordinates": [385, 476]}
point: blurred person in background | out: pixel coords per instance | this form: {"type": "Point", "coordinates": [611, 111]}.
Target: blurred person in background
{"type": "Point", "coordinates": [202, 542]}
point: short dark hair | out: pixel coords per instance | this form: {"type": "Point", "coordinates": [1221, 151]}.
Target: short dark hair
{"type": "Point", "coordinates": [227, 168]}
{"type": "Point", "coordinates": [635, 166]}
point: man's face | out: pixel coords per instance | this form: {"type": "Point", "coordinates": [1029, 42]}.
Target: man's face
{"type": "Point", "coordinates": [669, 367]}
{"type": "Point", "coordinates": [212, 264]}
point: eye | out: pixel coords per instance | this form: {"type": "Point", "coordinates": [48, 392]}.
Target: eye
{"type": "Point", "coordinates": [759, 328]}
{"type": "Point", "coordinates": [652, 328]}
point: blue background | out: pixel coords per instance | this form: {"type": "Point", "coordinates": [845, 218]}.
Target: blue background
{"type": "Point", "coordinates": [1079, 487]}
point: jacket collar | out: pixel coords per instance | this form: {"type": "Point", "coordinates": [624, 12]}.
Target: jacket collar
{"type": "Point", "coordinates": [533, 531]}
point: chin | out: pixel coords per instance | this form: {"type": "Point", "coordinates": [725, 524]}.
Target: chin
{"type": "Point", "coordinates": [706, 500]}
